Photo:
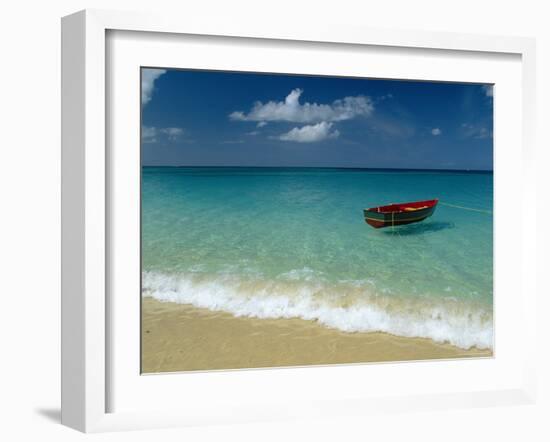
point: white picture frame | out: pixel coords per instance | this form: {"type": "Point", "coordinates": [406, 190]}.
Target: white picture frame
{"type": "Point", "coordinates": [86, 206]}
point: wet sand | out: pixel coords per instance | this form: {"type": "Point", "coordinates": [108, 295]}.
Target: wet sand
{"type": "Point", "coordinates": [178, 337]}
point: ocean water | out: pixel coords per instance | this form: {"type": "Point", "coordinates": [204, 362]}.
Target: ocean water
{"type": "Point", "coordinates": [292, 242]}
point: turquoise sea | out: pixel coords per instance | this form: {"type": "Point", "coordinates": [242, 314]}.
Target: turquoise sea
{"type": "Point", "coordinates": [292, 242]}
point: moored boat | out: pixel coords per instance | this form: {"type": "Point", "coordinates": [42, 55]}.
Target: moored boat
{"type": "Point", "coordinates": [400, 213]}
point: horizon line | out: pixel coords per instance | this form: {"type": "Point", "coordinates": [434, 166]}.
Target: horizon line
{"type": "Point", "coordinates": [328, 167]}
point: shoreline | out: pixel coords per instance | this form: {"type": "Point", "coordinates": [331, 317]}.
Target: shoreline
{"type": "Point", "coordinates": [180, 337]}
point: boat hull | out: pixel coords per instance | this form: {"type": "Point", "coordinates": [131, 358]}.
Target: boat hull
{"type": "Point", "coordinates": [394, 216]}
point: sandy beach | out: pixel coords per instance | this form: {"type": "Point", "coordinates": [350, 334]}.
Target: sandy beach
{"type": "Point", "coordinates": [178, 337]}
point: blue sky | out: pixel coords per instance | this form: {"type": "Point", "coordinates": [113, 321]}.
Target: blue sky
{"type": "Point", "coordinates": [207, 118]}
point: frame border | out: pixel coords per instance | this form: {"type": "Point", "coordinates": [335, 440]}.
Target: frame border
{"type": "Point", "coordinates": [85, 203]}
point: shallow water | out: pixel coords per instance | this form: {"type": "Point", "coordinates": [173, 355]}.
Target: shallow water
{"type": "Point", "coordinates": [292, 242]}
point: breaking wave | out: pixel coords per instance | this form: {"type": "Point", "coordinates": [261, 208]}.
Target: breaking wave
{"type": "Point", "coordinates": [349, 306]}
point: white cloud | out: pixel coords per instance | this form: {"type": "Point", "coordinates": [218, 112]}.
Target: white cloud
{"type": "Point", "coordinates": [436, 131]}
{"type": "Point", "coordinates": [261, 124]}
{"type": "Point", "coordinates": [483, 133]}
{"type": "Point", "coordinates": [292, 110]}
{"type": "Point", "coordinates": [148, 78]}
{"type": "Point", "coordinates": [488, 89]}
{"type": "Point", "coordinates": [173, 133]}
{"type": "Point", "coordinates": [476, 131]}
{"type": "Point", "coordinates": [311, 133]}
{"type": "Point", "coordinates": [385, 97]}
{"type": "Point", "coordinates": [149, 134]}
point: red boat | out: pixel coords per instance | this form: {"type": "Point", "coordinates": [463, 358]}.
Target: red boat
{"type": "Point", "coordinates": [399, 214]}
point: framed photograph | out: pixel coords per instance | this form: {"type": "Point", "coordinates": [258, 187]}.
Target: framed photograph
{"type": "Point", "coordinates": [264, 223]}
{"type": "Point", "coordinates": [255, 247]}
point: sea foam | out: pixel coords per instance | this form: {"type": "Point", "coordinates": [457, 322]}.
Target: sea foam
{"type": "Point", "coordinates": [349, 307]}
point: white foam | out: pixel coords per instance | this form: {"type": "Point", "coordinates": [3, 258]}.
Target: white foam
{"type": "Point", "coordinates": [304, 274]}
{"type": "Point", "coordinates": [460, 324]}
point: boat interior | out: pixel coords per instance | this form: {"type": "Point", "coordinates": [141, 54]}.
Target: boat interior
{"type": "Point", "coordinates": [404, 207]}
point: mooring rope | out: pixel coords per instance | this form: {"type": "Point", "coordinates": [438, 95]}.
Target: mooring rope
{"type": "Point", "coordinates": [467, 208]}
